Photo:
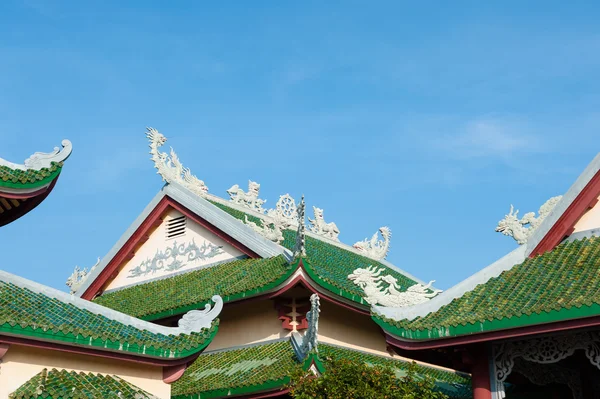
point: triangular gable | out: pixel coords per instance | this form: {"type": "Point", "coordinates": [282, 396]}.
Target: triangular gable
{"type": "Point", "coordinates": [574, 212]}
{"type": "Point", "coordinates": [210, 221]}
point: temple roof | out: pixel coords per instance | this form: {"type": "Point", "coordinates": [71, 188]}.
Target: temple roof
{"type": "Point", "coordinates": [266, 367]}
{"type": "Point", "coordinates": [63, 384]}
{"type": "Point", "coordinates": [24, 186]}
{"type": "Point", "coordinates": [35, 312]}
{"type": "Point", "coordinates": [558, 285]}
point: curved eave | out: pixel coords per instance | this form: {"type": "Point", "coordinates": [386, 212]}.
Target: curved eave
{"type": "Point", "coordinates": [490, 330]}
{"type": "Point", "coordinates": [15, 203]}
{"type": "Point", "coordinates": [68, 342]}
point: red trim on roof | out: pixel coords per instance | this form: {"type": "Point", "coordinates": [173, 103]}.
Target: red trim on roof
{"type": "Point", "coordinates": [496, 335]}
{"type": "Point", "coordinates": [24, 195]}
{"type": "Point", "coordinates": [140, 235]}
{"type": "Point", "coordinates": [27, 206]}
{"type": "Point", "coordinates": [91, 351]}
{"type": "Point", "coordinates": [565, 224]}
{"type": "Point", "coordinates": [270, 394]}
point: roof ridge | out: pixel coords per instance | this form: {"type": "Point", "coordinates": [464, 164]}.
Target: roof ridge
{"type": "Point", "coordinates": [245, 346]}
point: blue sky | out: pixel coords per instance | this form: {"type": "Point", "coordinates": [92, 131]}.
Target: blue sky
{"type": "Point", "coordinates": [429, 119]}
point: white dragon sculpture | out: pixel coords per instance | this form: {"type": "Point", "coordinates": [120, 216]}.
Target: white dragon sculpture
{"type": "Point", "coordinates": [271, 231]}
{"type": "Point", "coordinates": [374, 248]}
{"type": "Point", "coordinates": [169, 166]}
{"type": "Point", "coordinates": [78, 277]}
{"type": "Point", "coordinates": [322, 228]}
{"type": "Point", "coordinates": [385, 290]}
{"type": "Point", "coordinates": [310, 338]}
{"type": "Point", "coordinates": [517, 228]}
{"type": "Point", "coordinates": [248, 199]}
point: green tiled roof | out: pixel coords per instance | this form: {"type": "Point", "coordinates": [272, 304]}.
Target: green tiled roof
{"type": "Point", "coordinates": [455, 385]}
{"type": "Point", "coordinates": [559, 285]}
{"type": "Point", "coordinates": [239, 371]}
{"type": "Point", "coordinates": [38, 316]}
{"type": "Point", "coordinates": [183, 292]}
{"type": "Point", "coordinates": [16, 178]}
{"type": "Point", "coordinates": [328, 264]}
{"type": "Point", "coordinates": [64, 384]}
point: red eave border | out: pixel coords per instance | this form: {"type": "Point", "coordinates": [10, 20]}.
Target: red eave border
{"type": "Point", "coordinates": [564, 226]}
{"type": "Point", "coordinates": [33, 200]}
{"type": "Point", "coordinates": [141, 235]}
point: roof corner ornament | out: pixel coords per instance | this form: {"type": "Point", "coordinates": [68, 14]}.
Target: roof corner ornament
{"type": "Point", "coordinates": [40, 160]}
{"type": "Point", "coordinates": [196, 320]}
{"type": "Point", "coordinates": [300, 247]}
{"type": "Point", "coordinates": [248, 199]}
{"type": "Point", "coordinates": [385, 290]}
{"type": "Point", "coordinates": [310, 339]}
{"type": "Point", "coordinates": [322, 228]}
{"type": "Point", "coordinates": [169, 166]}
{"type": "Point", "coordinates": [374, 248]}
{"type": "Point", "coordinates": [78, 277]}
{"type": "Point", "coordinates": [517, 228]}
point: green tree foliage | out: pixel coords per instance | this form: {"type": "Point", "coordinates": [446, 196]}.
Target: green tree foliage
{"type": "Point", "coordinates": [344, 379]}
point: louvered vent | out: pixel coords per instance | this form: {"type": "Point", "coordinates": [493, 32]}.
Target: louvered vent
{"type": "Point", "coordinates": [176, 227]}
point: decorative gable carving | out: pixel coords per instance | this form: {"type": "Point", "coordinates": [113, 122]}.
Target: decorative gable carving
{"type": "Point", "coordinates": [522, 229]}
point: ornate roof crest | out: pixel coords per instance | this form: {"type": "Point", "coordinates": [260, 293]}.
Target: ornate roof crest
{"type": "Point", "coordinates": [322, 228]}
{"type": "Point", "coordinates": [285, 210]}
{"type": "Point", "coordinates": [78, 277]}
{"type": "Point", "coordinates": [169, 166]}
{"type": "Point", "coordinates": [196, 320]}
{"type": "Point", "coordinates": [310, 339]}
{"type": "Point", "coordinates": [300, 248]}
{"type": "Point", "coordinates": [272, 231]}
{"type": "Point", "coordinates": [374, 248]}
{"type": "Point", "coordinates": [249, 199]}
{"type": "Point", "coordinates": [516, 228]}
{"type": "Point", "coordinates": [41, 160]}
{"type": "Point", "coordinates": [385, 291]}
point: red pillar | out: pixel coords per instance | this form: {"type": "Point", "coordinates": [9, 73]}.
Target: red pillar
{"type": "Point", "coordinates": [480, 375]}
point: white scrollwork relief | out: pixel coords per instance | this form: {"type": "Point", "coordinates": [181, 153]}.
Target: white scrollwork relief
{"type": "Point", "coordinates": [385, 291]}
{"type": "Point", "coordinates": [176, 257]}
{"type": "Point", "coordinates": [169, 166]}
{"type": "Point", "coordinates": [310, 338]}
{"type": "Point", "coordinates": [322, 228]}
{"type": "Point", "coordinates": [248, 199]}
{"type": "Point", "coordinates": [374, 248]}
{"type": "Point", "coordinates": [522, 229]}
{"type": "Point", "coordinates": [78, 277]}
{"type": "Point", "coordinates": [271, 231]}
{"type": "Point", "coordinates": [300, 247]}
{"type": "Point", "coordinates": [196, 320]}
{"type": "Point", "coordinates": [545, 350]}
{"type": "Point", "coordinates": [41, 160]}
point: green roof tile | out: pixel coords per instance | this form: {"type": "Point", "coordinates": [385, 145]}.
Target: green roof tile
{"type": "Point", "coordinates": [328, 264]}
{"type": "Point", "coordinates": [238, 371]}
{"type": "Point", "coordinates": [180, 293]}
{"type": "Point", "coordinates": [38, 316]}
{"type": "Point", "coordinates": [64, 384]}
{"type": "Point", "coordinates": [558, 285]}
{"type": "Point", "coordinates": [30, 178]}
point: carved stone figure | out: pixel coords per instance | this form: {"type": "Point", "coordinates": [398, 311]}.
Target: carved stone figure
{"type": "Point", "coordinates": [300, 247]}
{"type": "Point", "coordinates": [385, 290]}
{"type": "Point", "coordinates": [249, 199]}
{"type": "Point", "coordinates": [310, 338]}
{"type": "Point", "coordinates": [271, 231]}
{"type": "Point", "coordinates": [169, 166]}
{"type": "Point", "coordinates": [375, 248]}
{"type": "Point", "coordinates": [522, 229]}
{"type": "Point", "coordinates": [285, 211]}
{"type": "Point", "coordinates": [78, 277]}
{"type": "Point", "coordinates": [195, 320]}
{"type": "Point", "coordinates": [41, 160]}
{"type": "Point", "coordinates": [320, 227]}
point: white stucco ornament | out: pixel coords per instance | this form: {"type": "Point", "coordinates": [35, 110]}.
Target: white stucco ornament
{"type": "Point", "coordinates": [78, 277]}
{"type": "Point", "coordinates": [300, 247]}
{"type": "Point", "coordinates": [271, 231]}
{"type": "Point", "coordinates": [195, 320]}
{"type": "Point", "coordinates": [285, 211]}
{"type": "Point", "coordinates": [248, 199]}
{"type": "Point", "coordinates": [169, 166]}
{"type": "Point", "coordinates": [41, 160]}
{"type": "Point", "coordinates": [322, 228]}
{"type": "Point", "coordinates": [522, 229]}
{"type": "Point", "coordinates": [385, 291]}
{"type": "Point", "coordinates": [374, 248]}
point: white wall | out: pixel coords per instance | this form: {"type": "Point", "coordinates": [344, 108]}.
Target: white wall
{"type": "Point", "coordinates": [590, 220]}
{"type": "Point", "coordinates": [158, 241]}
{"type": "Point", "coordinates": [22, 363]}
